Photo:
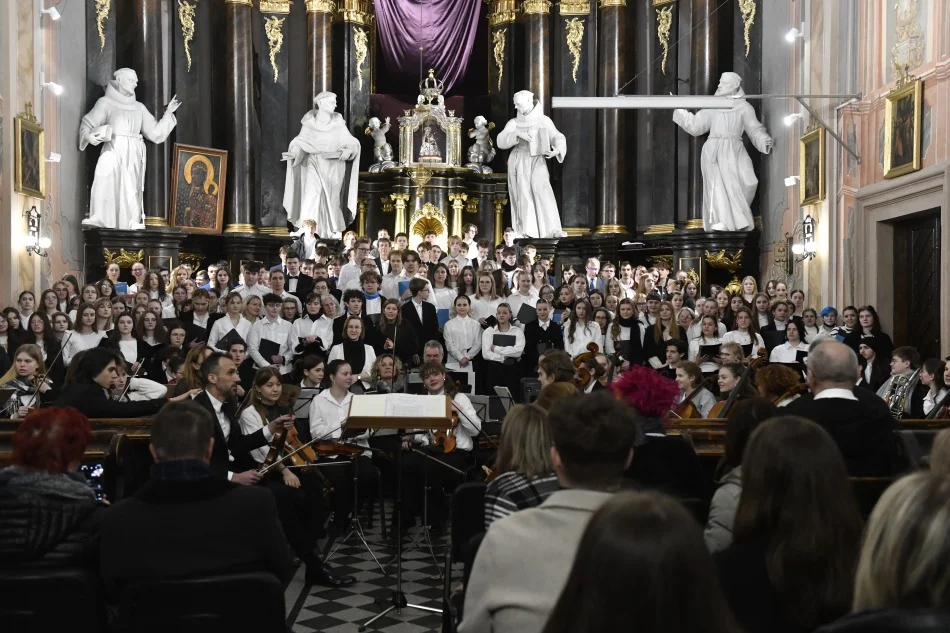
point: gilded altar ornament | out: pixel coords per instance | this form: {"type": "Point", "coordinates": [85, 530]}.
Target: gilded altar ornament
{"type": "Point", "coordinates": [194, 259]}
{"type": "Point", "coordinates": [574, 7]}
{"type": "Point", "coordinates": [421, 176]}
{"type": "Point", "coordinates": [574, 34]}
{"type": "Point", "coordinates": [360, 40]}
{"type": "Point", "coordinates": [102, 14]}
{"type": "Point", "coordinates": [321, 6]}
{"type": "Point", "coordinates": [537, 7]}
{"type": "Point", "coordinates": [275, 40]}
{"type": "Point", "coordinates": [747, 7]}
{"type": "Point", "coordinates": [664, 26]}
{"type": "Point", "coordinates": [498, 39]}
{"type": "Point", "coordinates": [725, 261]}
{"type": "Point", "coordinates": [123, 258]}
{"type": "Point", "coordinates": [503, 12]}
{"type": "Point", "coordinates": [186, 15]}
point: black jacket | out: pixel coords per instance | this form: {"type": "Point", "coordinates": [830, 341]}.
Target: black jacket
{"type": "Point", "coordinates": [192, 528]}
{"type": "Point", "coordinates": [534, 337]}
{"type": "Point", "coordinates": [863, 430]}
{"type": "Point", "coordinates": [46, 530]}
{"type": "Point", "coordinates": [427, 329]}
{"type": "Point", "coordinates": [304, 286]}
{"type": "Point", "coordinates": [892, 621]}
{"type": "Point", "coordinates": [238, 444]}
{"type": "Point", "coordinates": [91, 400]}
{"type": "Point", "coordinates": [370, 331]}
{"type": "Point", "coordinates": [196, 332]}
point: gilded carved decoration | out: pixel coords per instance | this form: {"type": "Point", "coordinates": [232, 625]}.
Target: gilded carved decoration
{"type": "Point", "coordinates": [664, 26]}
{"type": "Point", "coordinates": [102, 14]}
{"type": "Point", "coordinates": [275, 6]}
{"type": "Point", "coordinates": [321, 6]}
{"type": "Point", "coordinates": [574, 34]}
{"type": "Point", "coordinates": [503, 12]}
{"type": "Point", "coordinates": [536, 7]}
{"type": "Point", "coordinates": [611, 3]}
{"type": "Point", "coordinates": [723, 260]}
{"type": "Point", "coordinates": [498, 39]}
{"type": "Point", "coordinates": [574, 7]}
{"type": "Point", "coordinates": [421, 176]}
{"type": "Point", "coordinates": [194, 259]}
{"type": "Point", "coordinates": [361, 41]}
{"type": "Point", "coordinates": [908, 51]}
{"type": "Point", "coordinates": [186, 15]}
{"type": "Point", "coordinates": [358, 12]}
{"type": "Point", "coordinates": [747, 7]}
{"type": "Point", "coordinates": [123, 258]}
{"type": "Point", "coordinates": [275, 40]}
{"type": "Point", "coordinates": [400, 199]}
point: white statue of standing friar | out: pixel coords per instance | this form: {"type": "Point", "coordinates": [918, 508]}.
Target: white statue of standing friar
{"type": "Point", "coordinates": [119, 123]}
{"type": "Point", "coordinates": [729, 182]}
{"type": "Point", "coordinates": [532, 138]}
{"type": "Point", "coordinates": [322, 170]}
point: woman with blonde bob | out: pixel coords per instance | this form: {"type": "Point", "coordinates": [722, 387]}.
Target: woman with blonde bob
{"type": "Point", "coordinates": [903, 580]}
{"type": "Point", "coordinates": [525, 475]}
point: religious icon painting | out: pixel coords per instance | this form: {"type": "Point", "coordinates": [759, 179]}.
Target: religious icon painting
{"type": "Point", "coordinates": [902, 128]}
{"type": "Point", "coordinates": [198, 185]}
{"type": "Point", "coordinates": [29, 160]}
{"type": "Point", "coordinates": [811, 153]}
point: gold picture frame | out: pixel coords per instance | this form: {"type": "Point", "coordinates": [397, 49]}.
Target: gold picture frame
{"type": "Point", "coordinates": [198, 183]}
{"type": "Point", "coordinates": [29, 163]}
{"type": "Point", "coordinates": [811, 153]}
{"type": "Point", "coordinates": [902, 126]}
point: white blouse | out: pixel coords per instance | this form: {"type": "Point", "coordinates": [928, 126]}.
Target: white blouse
{"type": "Point", "coordinates": [327, 417]}
{"type": "Point", "coordinates": [221, 328]}
{"type": "Point", "coordinates": [787, 353]}
{"type": "Point", "coordinates": [610, 346]}
{"type": "Point", "coordinates": [484, 308]}
{"type": "Point", "coordinates": [129, 350]}
{"type": "Point", "coordinates": [463, 338]}
{"type": "Point", "coordinates": [445, 298]}
{"type": "Point", "coordinates": [517, 300]}
{"type": "Point", "coordinates": [709, 366]}
{"type": "Point", "coordinates": [582, 336]}
{"type": "Point", "coordinates": [322, 328]}
{"type": "Point", "coordinates": [500, 353]}
{"type": "Point", "coordinates": [336, 353]}
{"type": "Point", "coordinates": [79, 343]}
{"type": "Point", "coordinates": [745, 338]}
{"type": "Point", "coordinates": [250, 422]}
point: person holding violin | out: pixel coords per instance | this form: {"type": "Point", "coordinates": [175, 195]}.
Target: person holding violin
{"type": "Point", "coordinates": [731, 379]}
{"type": "Point", "coordinates": [328, 412]}
{"type": "Point", "coordinates": [27, 376]}
{"type": "Point", "coordinates": [695, 401]}
{"type": "Point", "coordinates": [453, 448]}
{"type": "Point", "coordinates": [779, 384]}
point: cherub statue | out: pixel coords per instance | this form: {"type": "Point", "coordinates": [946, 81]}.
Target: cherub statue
{"type": "Point", "coordinates": [483, 150]}
{"type": "Point", "coordinates": [382, 151]}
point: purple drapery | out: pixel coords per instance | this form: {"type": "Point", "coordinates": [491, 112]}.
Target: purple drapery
{"type": "Point", "coordinates": [445, 29]}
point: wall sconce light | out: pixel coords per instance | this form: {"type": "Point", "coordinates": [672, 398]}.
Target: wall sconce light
{"type": "Point", "coordinates": [795, 34]}
{"type": "Point", "coordinates": [53, 87]}
{"type": "Point", "coordinates": [52, 12]}
{"type": "Point", "coordinates": [791, 181]}
{"type": "Point", "coordinates": [791, 118]}
{"type": "Point", "coordinates": [35, 243]}
{"type": "Point", "coordinates": [801, 243]}
{"type": "Point", "coordinates": [54, 157]}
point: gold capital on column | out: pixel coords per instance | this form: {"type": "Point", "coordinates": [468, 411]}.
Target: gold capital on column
{"type": "Point", "coordinates": [240, 228]}
{"type": "Point", "coordinates": [499, 204]}
{"type": "Point", "coordinates": [458, 203]}
{"type": "Point", "coordinates": [361, 214]}
{"type": "Point", "coordinates": [275, 6]}
{"type": "Point", "coordinates": [536, 7]}
{"type": "Point", "coordinates": [603, 4]}
{"type": "Point", "coordinates": [400, 199]}
{"type": "Point", "coordinates": [610, 229]}
{"type": "Point", "coordinates": [358, 12]}
{"type": "Point", "coordinates": [248, 3]}
{"type": "Point", "coordinates": [574, 7]}
{"type": "Point", "coordinates": [503, 12]}
{"type": "Point", "coordinates": [321, 6]}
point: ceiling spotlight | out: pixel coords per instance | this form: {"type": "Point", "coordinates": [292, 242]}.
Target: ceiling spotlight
{"type": "Point", "coordinates": [791, 118]}
{"type": "Point", "coordinates": [791, 181]}
{"type": "Point", "coordinates": [54, 87]}
{"type": "Point", "coordinates": [794, 34]}
{"type": "Point", "coordinates": [52, 12]}
{"type": "Point", "coordinates": [54, 157]}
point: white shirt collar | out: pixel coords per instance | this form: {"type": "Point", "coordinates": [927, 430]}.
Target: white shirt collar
{"type": "Point", "coordinates": [843, 394]}
{"type": "Point", "coordinates": [215, 403]}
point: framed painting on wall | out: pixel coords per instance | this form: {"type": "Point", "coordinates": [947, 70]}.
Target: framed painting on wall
{"type": "Point", "coordinates": [198, 185]}
{"type": "Point", "coordinates": [902, 128]}
{"type": "Point", "coordinates": [29, 163]}
{"type": "Point", "coordinates": [811, 154]}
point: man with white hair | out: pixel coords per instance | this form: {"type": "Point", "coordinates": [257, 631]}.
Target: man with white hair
{"type": "Point", "coordinates": [322, 168]}
{"type": "Point", "coordinates": [729, 182]}
{"type": "Point", "coordinates": [119, 123]}
{"type": "Point", "coordinates": [532, 138]}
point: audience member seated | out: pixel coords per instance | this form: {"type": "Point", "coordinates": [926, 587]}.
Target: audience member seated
{"type": "Point", "coordinates": [524, 560]}
{"type": "Point", "coordinates": [797, 528]}
{"type": "Point", "coordinates": [641, 566]}
{"type": "Point", "coordinates": [940, 454]}
{"type": "Point", "coordinates": [524, 476]}
{"type": "Point", "coordinates": [95, 373]}
{"type": "Point", "coordinates": [49, 515]}
{"type": "Point", "coordinates": [746, 417]}
{"type": "Point", "coordinates": [859, 422]}
{"type": "Point", "coordinates": [553, 393]}
{"type": "Point", "coordinates": [185, 522]}
{"type": "Point", "coordinates": [903, 582]}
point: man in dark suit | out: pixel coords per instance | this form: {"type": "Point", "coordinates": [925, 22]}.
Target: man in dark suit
{"type": "Point", "coordinates": [282, 266]}
{"type": "Point", "coordinates": [484, 254]}
{"type": "Point", "coordinates": [229, 528]}
{"type": "Point", "coordinates": [198, 321]}
{"type": "Point", "coordinates": [230, 458]}
{"type": "Point", "coordinates": [384, 247]}
{"type": "Point", "coordinates": [676, 351]}
{"type": "Point", "coordinates": [859, 421]}
{"type": "Point", "coordinates": [593, 278]}
{"type": "Point", "coordinates": [539, 335]}
{"type": "Point", "coordinates": [420, 314]}
{"type": "Point", "coordinates": [297, 283]}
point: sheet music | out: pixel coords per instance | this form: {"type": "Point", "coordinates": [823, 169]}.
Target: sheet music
{"type": "Point", "coordinates": [403, 405]}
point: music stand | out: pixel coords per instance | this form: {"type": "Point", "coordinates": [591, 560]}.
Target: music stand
{"type": "Point", "coordinates": [504, 394]}
{"type": "Point", "coordinates": [399, 411]}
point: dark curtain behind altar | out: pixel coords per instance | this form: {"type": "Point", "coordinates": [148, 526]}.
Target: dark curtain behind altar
{"type": "Point", "coordinates": [453, 36]}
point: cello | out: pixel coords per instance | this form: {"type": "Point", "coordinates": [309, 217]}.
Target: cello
{"type": "Point", "coordinates": [686, 410]}
{"type": "Point", "coordinates": [721, 410]}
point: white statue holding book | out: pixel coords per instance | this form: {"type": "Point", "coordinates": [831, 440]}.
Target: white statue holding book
{"type": "Point", "coordinates": [533, 139]}
{"type": "Point", "coordinates": [729, 182]}
{"type": "Point", "coordinates": [323, 163]}
{"type": "Point", "coordinates": [120, 123]}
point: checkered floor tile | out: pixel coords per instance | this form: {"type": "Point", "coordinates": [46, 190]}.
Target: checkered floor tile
{"type": "Point", "coordinates": [343, 610]}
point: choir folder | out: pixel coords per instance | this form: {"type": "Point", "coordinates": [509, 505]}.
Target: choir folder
{"type": "Point", "coordinates": [399, 411]}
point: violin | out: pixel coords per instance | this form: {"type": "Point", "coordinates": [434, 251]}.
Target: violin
{"type": "Point", "coordinates": [794, 390]}
{"type": "Point", "coordinates": [446, 437]}
{"type": "Point", "coordinates": [586, 368]}
{"type": "Point", "coordinates": [940, 409]}
{"type": "Point", "coordinates": [287, 439]}
{"type": "Point", "coordinates": [686, 410]}
{"type": "Point", "coordinates": [341, 449]}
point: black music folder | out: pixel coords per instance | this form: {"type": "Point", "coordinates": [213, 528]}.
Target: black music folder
{"type": "Point", "coordinates": [747, 350]}
{"type": "Point", "coordinates": [801, 355]}
{"type": "Point", "coordinates": [268, 348]}
{"type": "Point", "coordinates": [504, 340]}
{"type": "Point", "coordinates": [229, 339]}
{"type": "Point", "coordinates": [709, 351]}
{"type": "Point", "coordinates": [527, 314]}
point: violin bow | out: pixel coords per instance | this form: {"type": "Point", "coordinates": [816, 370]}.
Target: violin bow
{"type": "Point", "coordinates": [266, 469]}
{"type": "Point", "coordinates": [128, 385]}
{"type": "Point", "coordinates": [42, 379]}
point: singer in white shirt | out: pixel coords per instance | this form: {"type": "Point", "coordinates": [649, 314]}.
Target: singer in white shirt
{"type": "Point", "coordinates": [275, 329]}
{"type": "Point", "coordinates": [463, 337]}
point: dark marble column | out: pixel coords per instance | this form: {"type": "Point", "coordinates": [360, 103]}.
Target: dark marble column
{"type": "Point", "coordinates": [151, 58]}
{"type": "Point", "coordinates": [703, 78]}
{"type": "Point", "coordinates": [574, 69]}
{"type": "Point", "coordinates": [274, 67]}
{"type": "Point", "coordinates": [502, 76]}
{"type": "Point", "coordinates": [356, 53]}
{"type": "Point", "coordinates": [241, 211]}
{"type": "Point", "coordinates": [320, 45]}
{"type": "Point", "coordinates": [537, 50]}
{"type": "Point", "coordinates": [612, 144]}
{"type": "Point", "coordinates": [100, 66]}
{"type": "Point", "coordinates": [193, 62]}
